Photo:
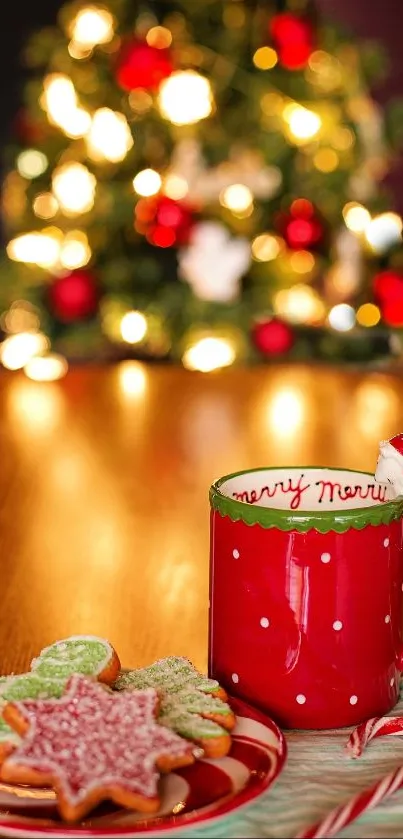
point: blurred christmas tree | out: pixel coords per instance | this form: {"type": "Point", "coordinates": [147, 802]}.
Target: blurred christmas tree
{"type": "Point", "coordinates": [200, 181]}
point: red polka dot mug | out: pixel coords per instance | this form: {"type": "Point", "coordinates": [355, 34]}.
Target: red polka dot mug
{"type": "Point", "coordinates": [306, 594]}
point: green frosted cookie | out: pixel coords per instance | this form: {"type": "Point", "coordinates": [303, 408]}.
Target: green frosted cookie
{"type": "Point", "coordinates": [187, 701]}
{"type": "Point", "coordinates": [30, 686]}
{"type": "Point", "coordinates": [84, 654]}
{"type": "Point", "coordinates": [170, 674]}
{"type": "Point", "coordinates": [184, 712]}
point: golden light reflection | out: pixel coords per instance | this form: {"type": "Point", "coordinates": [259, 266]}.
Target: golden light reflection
{"type": "Point", "coordinates": [376, 410]}
{"type": "Point", "coordinates": [132, 378]}
{"type": "Point", "coordinates": [35, 409]}
{"type": "Point", "coordinates": [286, 411]}
{"type": "Point", "coordinates": [209, 354]}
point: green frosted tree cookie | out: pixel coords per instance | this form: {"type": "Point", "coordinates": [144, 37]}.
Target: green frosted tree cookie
{"type": "Point", "coordinates": [171, 674]}
{"type": "Point", "coordinates": [187, 699]}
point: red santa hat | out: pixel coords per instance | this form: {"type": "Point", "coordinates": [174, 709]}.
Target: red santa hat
{"type": "Point", "coordinates": [397, 443]}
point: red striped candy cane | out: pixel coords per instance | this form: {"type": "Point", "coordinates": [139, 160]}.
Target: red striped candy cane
{"type": "Point", "coordinates": [375, 727]}
{"type": "Point", "coordinates": [343, 815]}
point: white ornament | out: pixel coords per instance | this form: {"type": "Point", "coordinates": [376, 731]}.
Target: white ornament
{"type": "Point", "coordinates": [213, 263]}
{"type": "Point", "coordinates": [205, 184]}
{"type": "Point", "coordinates": [389, 468]}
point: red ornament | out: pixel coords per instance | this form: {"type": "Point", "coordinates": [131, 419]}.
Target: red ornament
{"type": "Point", "coordinates": [74, 296]}
{"type": "Point", "coordinates": [272, 337]}
{"type": "Point", "coordinates": [141, 65]}
{"type": "Point", "coordinates": [388, 291]}
{"type": "Point", "coordinates": [301, 227]}
{"type": "Point", "coordinates": [163, 221]}
{"type": "Point", "coordinates": [294, 40]}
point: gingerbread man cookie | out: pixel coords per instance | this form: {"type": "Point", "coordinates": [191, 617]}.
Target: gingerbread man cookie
{"type": "Point", "coordinates": [92, 745]}
{"type": "Point", "coordinates": [191, 704]}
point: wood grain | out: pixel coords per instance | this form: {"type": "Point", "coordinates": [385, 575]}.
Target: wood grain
{"type": "Point", "coordinates": [104, 489]}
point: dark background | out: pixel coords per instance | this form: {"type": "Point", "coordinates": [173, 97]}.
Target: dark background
{"type": "Point", "coordinates": [369, 18]}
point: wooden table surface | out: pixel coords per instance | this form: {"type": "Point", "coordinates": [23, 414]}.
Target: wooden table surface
{"type": "Point", "coordinates": [104, 489]}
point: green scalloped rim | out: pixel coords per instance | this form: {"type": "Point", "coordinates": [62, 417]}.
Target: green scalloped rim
{"type": "Point", "coordinates": [324, 521]}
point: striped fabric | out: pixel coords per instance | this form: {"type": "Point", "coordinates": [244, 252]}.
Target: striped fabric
{"type": "Point", "coordinates": [317, 777]}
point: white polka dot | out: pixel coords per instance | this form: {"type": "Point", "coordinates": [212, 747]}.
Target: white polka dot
{"type": "Point", "coordinates": [235, 553]}
{"type": "Point", "coordinates": [325, 558]}
{"type": "Point", "coordinates": [264, 622]}
{"type": "Point", "coordinates": [386, 543]}
{"type": "Point", "coordinates": [402, 586]}
{"type": "Point", "coordinates": [338, 625]}
{"type": "Point", "coordinates": [392, 682]}
{"type": "Point", "coordinates": [301, 699]}
{"type": "Point", "coordinates": [387, 618]}
{"type": "Point", "coordinates": [353, 699]}
{"type": "Point", "coordinates": [235, 678]}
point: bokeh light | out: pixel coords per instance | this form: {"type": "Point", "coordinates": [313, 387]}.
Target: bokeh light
{"type": "Point", "coordinates": [17, 350]}
{"type": "Point", "coordinates": [384, 231]}
{"type": "Point", "coordinates": [32, 163]}
{"type": "Point", "coordinates": [303, 124]}
{"type": "Point", "coordinates": [356, 217]}
{"type": "Point", "coordinates": [265, 58]}
{"type": "Point", "coordinates": [267, 247]}
{"type": "Point", "coordinates": [91, 26]}
{"type": "Point", "coordinates": [185, 97]}
{"type": "Point", "coordinates": [74, 187]}
{"type": "Point", "coordinates": [147, 182]}
{"type": "Point", "coordinates": [175, 187]}
{"type": "Point", "coordinates": [109, 137]}
{"type": "Point", "coordinates": [36, 248]}
{"type": "Point", "coordinates": [159, 37]}
{"type": "Point", "coordinates": [299, 304]}
{"type": "Point", "coordinates": [45, 205]}
{"type": "Point", "coordinates": [342, 317]}
{"type": "Point", "coordinates": [238, 198]}
{"type": "Point", "coordinates": [368, 315]}
{"type": "Point", "coordinates": [75, 251]}
{"type": "Point", "coordinates": [133, 327]}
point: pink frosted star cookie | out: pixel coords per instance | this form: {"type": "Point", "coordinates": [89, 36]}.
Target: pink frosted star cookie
{"type": "Point", "coordinates": [93, 745]}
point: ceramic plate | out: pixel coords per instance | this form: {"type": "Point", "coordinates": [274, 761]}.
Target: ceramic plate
{"type": "Point", "coordinates": [191, 797]}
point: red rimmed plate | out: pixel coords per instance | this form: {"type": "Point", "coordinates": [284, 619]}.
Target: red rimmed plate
{"type": "Point", "coordinates": [192, 797]}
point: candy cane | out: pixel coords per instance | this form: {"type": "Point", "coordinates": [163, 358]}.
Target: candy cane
{"type": "Point", "coordinates": [343, 815]}
{"type": "Point", "coordinates": [375, 727]}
